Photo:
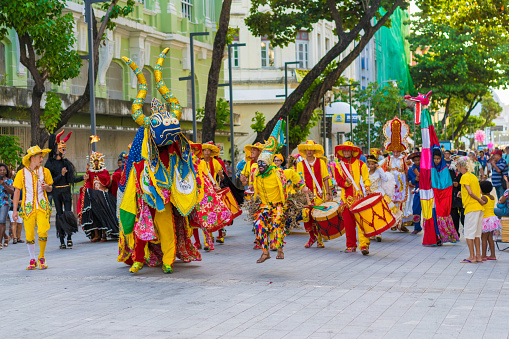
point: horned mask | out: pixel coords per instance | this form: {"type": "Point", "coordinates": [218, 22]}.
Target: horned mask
{"type": "Point", "coordinates": [164, 125]}
{"type": "Point", "coordinates": [62, 147]}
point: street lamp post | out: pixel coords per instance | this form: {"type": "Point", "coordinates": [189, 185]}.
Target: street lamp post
{"type": "Point", "coordinates": [191, 77]}
{"type": "Point", "coordinates": [90, 58]}
{"type": "Point", "coordinates": [286, 97]}
{"type": "Point", "coordinates": [230, 85]}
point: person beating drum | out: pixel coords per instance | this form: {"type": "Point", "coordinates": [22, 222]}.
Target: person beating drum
{"type": "Point", "coordinates": [348, 175]}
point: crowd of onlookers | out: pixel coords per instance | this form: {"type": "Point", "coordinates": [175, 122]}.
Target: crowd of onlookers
{"type": "Point", "coordinates": [6, 192]}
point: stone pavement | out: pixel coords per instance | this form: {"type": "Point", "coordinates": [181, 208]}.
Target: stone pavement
{"type": "Point", "coordinates": [400, 290]}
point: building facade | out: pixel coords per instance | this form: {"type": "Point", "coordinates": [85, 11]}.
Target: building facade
{"type": "Point", "coordinates": [153, 26]}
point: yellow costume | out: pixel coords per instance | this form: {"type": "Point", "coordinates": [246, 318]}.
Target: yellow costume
{"type": "Point", "coordinates": [35, 208]}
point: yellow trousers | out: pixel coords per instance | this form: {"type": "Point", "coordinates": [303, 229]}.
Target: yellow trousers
{"type": "Point", "coordinates": [165, 227]}
{"type": "Point", "coordinates": [40, 218]}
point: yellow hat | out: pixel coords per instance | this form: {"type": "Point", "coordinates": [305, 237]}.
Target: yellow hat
{"type": "Point", "coordinates": [374, 151]}
{"type": "Point", "coordinates": [210, 145]}
{"type": "Point", "coordinates": [248, 148]}
{"type": "Point", "coordinates": [279, 156]}
{"type": "Point", "coordinates": [311, 145]}
{"type": "Point", "coordinates": [33, 151]}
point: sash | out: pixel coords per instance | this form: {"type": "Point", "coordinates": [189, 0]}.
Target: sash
{"type": "Point", "coordinates": [210, 167]}
{"type": "Point", "coordinates": [318, 187]}
{"type": "Point", "coordinates": [349, 175]}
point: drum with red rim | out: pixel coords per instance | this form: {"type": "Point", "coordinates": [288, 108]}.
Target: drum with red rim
{"type": "Point", "coordinates": [373, 214]}
{"type": "Point", "coordinates": [328, 220]}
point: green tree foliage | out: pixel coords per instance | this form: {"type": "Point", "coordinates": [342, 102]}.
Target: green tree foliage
{"type": "Point", "coordinates": [222, 114]}
{"type": "Point", "coordinates": [280, 21]}
{"type": "Point", "coordinates": [51, 115]}
{"type": "Point", "coordinates": [10, 153]}
{"type": "Point", "coordinates": [46, 40]}
{"type": "Point", "coordinates": [462, 60]}
{"type": "Point", "coordinates": [383, 100]}
{"type": "Point", "coordinates": [258, 122]}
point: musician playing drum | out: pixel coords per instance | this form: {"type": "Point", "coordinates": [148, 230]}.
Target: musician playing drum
{"type": "Point", "coordinates": [348, 175]}
{"type": "Point", "coordinates": [313, 169]}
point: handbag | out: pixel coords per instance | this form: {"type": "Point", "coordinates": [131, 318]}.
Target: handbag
{"type": "Point", "coordinates": [503, 207]}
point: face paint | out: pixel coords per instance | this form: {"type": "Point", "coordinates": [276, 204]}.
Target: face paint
{"type": "Point", "coordinates": [262, 166]}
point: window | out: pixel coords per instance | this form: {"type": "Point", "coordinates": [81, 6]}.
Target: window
{"type": "Point", "coordinates": [3, 77]}
{"type": "Point", "coordinates": [302, 47]}
{"type": "Point", "coordinates": [115, 82]}
{"type": "Point", "coordinates": [327, 45]}
{"type": "Point", "coordinates": [267, 53]}
{"type": "Point", "coordinates": [235, 50]}
{"type": "Point", "coordinates": [187, 9]}
{"type": "Point", "coordinates": [79, 83]}
{"type": "Point", "coordinates": [148, 79]}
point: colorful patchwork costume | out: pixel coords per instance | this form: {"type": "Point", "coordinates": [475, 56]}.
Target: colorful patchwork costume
{"type": "Point", "coordinates": [158, 190]}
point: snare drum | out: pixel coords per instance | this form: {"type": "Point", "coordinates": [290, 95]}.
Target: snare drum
{"type": "Point", "coordinates": [373, 214]}
{"type": "Point", "coordinates": [329, 221]}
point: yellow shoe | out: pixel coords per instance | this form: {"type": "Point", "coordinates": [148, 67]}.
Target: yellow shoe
{"type": "Point", "coordinates": [136, 267]}
{"type": "Point", "coordinates": [42, 264]}
{"type": "Point", "coordinates": [33, 265]}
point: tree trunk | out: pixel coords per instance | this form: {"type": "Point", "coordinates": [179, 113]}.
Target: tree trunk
{"type": "Point", "coordinates": [345, 39]}
{"type": "Point", "coordinates": [476, 100]}
{"type": "Point", "coordinates": [209, 122]}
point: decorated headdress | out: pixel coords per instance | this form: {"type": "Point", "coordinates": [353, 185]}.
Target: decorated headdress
{"type": "Point", "coordinates": [122, 156]}
{"type": "Point", "coordinates": [213, 148]}
{"type": "Point", "coordinates": [34, 150]}
{"type": "Point", "coordinates": [270, 147]}
{"type": "Point", "coordinates": [420, 100]}
{"type": "Point", "coordinates": [164, 125]}
{"type": "Point", "coordinates": [347, 146]}
{"type": "Point", "coordinates": [248, 148]}
{"type": "Point", "coordinates": [371, 158]}
{"type": "Point", "coordinates": [97, 156]}
{"type": "Point", "coordinates": [310, 145]}
{"type": "Point", "coordinates": [374, 151]}
{"type": "Point", "coordinates": [396, 132]}
{"type": "Point", "coordinates": [198, 149]}
{"type": "Point", "coordinates": [414, 155]}
{"type": "Point", "coordinates": [62, 147]}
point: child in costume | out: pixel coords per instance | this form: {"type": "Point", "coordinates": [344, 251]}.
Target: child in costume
{"type": "Point", "coordinates": [490, 222]}
{"type": "Point", "coordinates": [396, 132]}
{"type": "Point", "coordinates": [349, 174]}
{"type": "Point", "coordinates": [382, 182]}
{"type": "Point", "coordinates": [35, 181]}
{"type": "Point", "coordinates": [115, 177]}
{"type": "Point", "coordinates": [314, 170]}
{"type": "Point", "coordinates": [413, 179]}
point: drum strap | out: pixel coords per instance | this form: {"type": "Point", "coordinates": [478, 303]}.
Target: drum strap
{"type": "Point", "coordinates": [313, 176]}
{"type": "Point", "coordinates": [349, 175]}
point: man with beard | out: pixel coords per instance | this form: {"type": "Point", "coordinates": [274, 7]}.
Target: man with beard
{"type": "Point", "coordinates": [64, 176]}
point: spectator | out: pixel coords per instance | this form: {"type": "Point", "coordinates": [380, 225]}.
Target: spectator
{"type": "Point", "coordinates": [506, 154]}
{"type": "Point", "coordinates": [473, 205]}
{"type": "Point", "coordinates": [6, 190]}
{"type": "Point", "coordinates": [499, 166]}
{"type": "Point", "coordinates": [228, 165]}
{"type": "Point", "coordinates": [478, 171]}
{"type": "Point", "coordinates": [447, 158]}
{"type": "Point", "coordinates": [483, 160]}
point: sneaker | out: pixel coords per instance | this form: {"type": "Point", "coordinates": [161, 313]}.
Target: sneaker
{"type": "Point", "coordinates": [351, 249]}
{"type": "Point", "coordinates": [378, 238]}
{"type": "Point", "coordinates": [220, 240]}
{"type": "Point", "coordinates": [415, 231]}
{"type": "Point", "coordinates": [320, 245]}
{"type": "Point", "coordinates": [365, 250]}
{"type": "Point", "coordinates": [404, 229]}
{"type": "Point", "coordinates": [42, 264]}
{"type": "Point", "coordinates": [310, 243]}
{"type": "Point", "coordinates": [33, 265]}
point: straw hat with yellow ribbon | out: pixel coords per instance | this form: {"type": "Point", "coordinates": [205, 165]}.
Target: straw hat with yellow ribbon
{"type": "Point", "coordinates": [311, 145]}
{"type": "Point", "coordinates": [347, 146]}
{"type": "Point", "coordinates": [248, 148]}
{"type": "Point", "coordinates": [34, 150]}
{"type": "Point", "coordinates": [197, 149]}
{"type": "Point", "coordinates": [213, 148]}
{"type": "Point", "coordinates": [374, 151]}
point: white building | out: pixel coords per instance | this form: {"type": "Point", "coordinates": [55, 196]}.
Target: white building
{"type": "Point", "coordinates": [258, 69]}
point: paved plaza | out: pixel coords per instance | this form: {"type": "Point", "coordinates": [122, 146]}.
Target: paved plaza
{"type": "Point", "coordinates": [401, 290]}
